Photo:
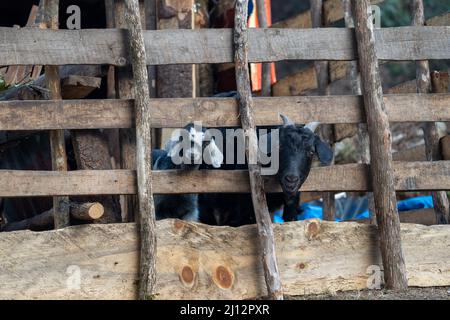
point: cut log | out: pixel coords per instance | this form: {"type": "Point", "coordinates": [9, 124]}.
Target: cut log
{"type": "Point", "coordinates": [380, 151]}
{"type": "Point", "coordinates": [80, 211]}
{"type": "Point", "coordinates": [92, 153]}
{"type": "Point", "coordinates": [245, 101]}
{"type": "Point", "coordinates": [147, 265]}
{"type": "Point", "coordinates": [200, 262]}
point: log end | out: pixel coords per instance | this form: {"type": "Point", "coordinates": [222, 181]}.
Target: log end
{"type": "Point", "coordinates": [96, 211]}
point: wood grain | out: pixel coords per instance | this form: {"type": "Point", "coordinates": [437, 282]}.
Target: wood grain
{"type": "Point", "coordinates": [107, 46]}
{"type": "Point", "coordinates": [314, 258]}
{"type": "Point", "coordinates": [147, 232]}
{"type": "Point", "coordinates": [354, 177]}
{"type": "Point", "coordinates": [214, 112]}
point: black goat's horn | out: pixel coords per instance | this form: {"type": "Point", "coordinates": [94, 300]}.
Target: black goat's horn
{"type": "Point", "coordinates": [286, 120]}
{"type": "Point", "coordinates": [312, 126]}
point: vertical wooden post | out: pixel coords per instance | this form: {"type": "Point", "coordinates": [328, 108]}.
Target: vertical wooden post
{"type": "Point", "coordinates": [124, 90]}
{"type": "Point", "coordinates": [431, 134]}
{"type": "Point", "coordinates": [147, 270]}
{"type": "Point", "coordinates": [323, 80]}
{"type": "Point", "coordinates": [266, 73]}
{"type": "Point", "coordinates": [380, 151]}
{"type": "Point", "coordinates": [151, 24]}
{"type": "Point", "coordinates": [263, 220]}
{"type": "Point", "coordinates": [363, 135]}
{"type": "Point", "coordinates": [61, 205]}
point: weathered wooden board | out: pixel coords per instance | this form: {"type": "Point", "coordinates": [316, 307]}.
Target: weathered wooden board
{"type": "Point", "coordinates": [201, 262]}
{"type": "Point", "coordinates": [107, 46]}
{"type": "Point", "coordinates": [214, 112]}
{"type": "Point", "coordinates": [352, 177]}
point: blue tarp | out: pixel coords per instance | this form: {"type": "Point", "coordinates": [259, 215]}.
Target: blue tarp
{"type": "Point", "coordinates": [353, 208]}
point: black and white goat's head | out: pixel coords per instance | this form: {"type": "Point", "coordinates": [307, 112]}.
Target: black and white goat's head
{"type": "Point", "coordinates": [191, 147]}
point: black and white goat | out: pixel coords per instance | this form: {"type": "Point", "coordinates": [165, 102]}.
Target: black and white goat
{"type": "Point", "coordinates": [186, 150]}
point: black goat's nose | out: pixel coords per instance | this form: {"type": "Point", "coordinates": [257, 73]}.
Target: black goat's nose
{"type": "Point", "coordinates": [291, 179]}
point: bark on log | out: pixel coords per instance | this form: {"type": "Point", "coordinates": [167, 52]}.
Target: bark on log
{"type": "Point", "coordinates": [92, 153]}
{"type": "Point", "coordinates": [147, 269]}
{"type": "Point", "coordinates": [430, 130]}
{"type": "Point", "coordinates": [80, 211]}
{"type": "Point", "coordinates": [201, 262]}
{"type": "Point", "coordinates": [380, 151]}
{"type": "Point", "coordinates": [57, 142]}
{"type": "Point", "coordinates": [263, 220]}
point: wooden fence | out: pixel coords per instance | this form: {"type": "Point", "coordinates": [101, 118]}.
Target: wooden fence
{"type": "Point", "coordinates": [30, 46]}
{"type": "Point", "coordinates": [57, 47]}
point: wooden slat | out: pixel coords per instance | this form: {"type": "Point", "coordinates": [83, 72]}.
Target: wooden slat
{"type": "Point", "coordinates": [214, 112]}
{"type": "Point", "coordinates": [202, 262]}
{"type": "Point", "coordinates": [106, 46]}
{"type": "Point", "coordinates": [353, 177]}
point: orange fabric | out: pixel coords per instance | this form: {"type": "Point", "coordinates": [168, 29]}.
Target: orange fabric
{"type": "Point", "coordinates": [256, 68]}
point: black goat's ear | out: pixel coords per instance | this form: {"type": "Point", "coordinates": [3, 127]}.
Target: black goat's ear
{"type": "Point", "coordinates": [323, 151]}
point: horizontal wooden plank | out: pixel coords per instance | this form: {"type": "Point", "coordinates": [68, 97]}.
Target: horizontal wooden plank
{"type": "Point", "coordinates": [352, 177]}
{"type": "Point", "coordinates": [107, 46]}
{"type": "Point", "coordinates": [214, 112]}
{"type": "Point", "coordinates": [202, 262]}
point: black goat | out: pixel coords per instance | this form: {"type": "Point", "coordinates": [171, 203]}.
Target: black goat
{"type": "Point", "coordinates": [296, 146]}
{"type": "Point", "coordinates": [185, 151]}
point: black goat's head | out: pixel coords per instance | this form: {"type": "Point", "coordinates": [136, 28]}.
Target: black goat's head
{"type": "Point", "coordinates": [190, 146]}
{"type": "Point", "coordinates": [297, 146]}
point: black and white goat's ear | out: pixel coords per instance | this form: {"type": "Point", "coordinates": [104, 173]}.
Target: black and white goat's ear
{"type": "Point", "coordinates": [323, 151]}
{"type": "Point", "coordinates": [174, 149]}
{"type": "Point", "coordinates": [213, 155]}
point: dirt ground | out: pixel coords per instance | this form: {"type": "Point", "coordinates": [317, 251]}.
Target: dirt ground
{"type": "Point", "coordinates": [441, 293]}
